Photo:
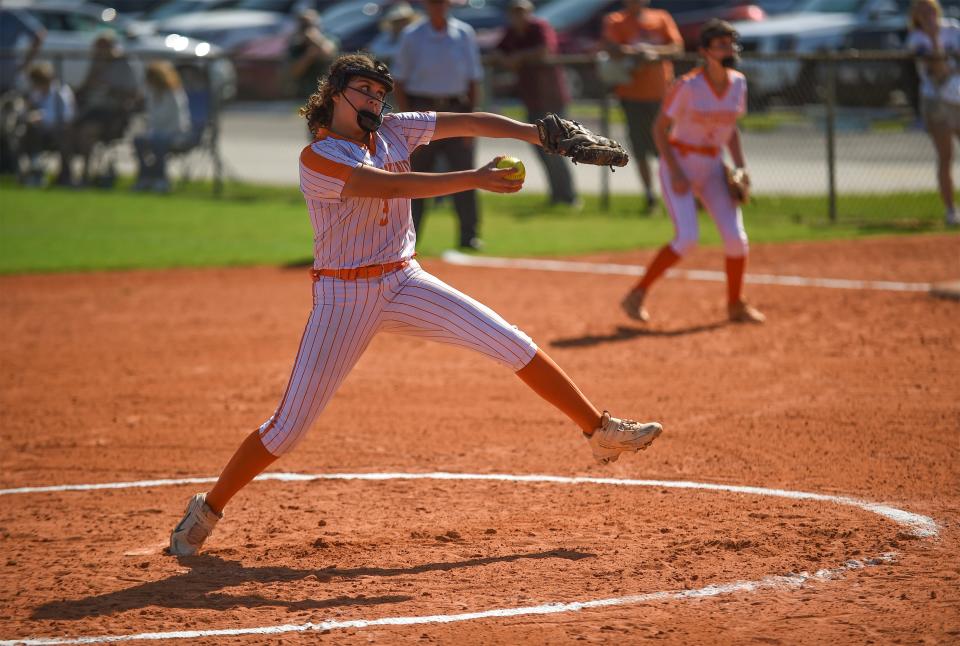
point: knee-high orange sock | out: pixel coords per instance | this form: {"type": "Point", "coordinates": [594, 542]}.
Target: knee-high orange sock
{"type": "Point", "coordinates": [550, 382]}
{"type": "Point", "coordinates": [247, 463]}
{"type": "Point", "coordinates": [664, 259]}
{"type": "Point", "coordinates": [735, 267]}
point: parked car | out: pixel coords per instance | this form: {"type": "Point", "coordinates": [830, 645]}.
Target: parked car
{"type": "Point", "coordinates": [777, 7]}
{"type": "Point", "coordinates": [133, 8]}
{"type": "Point", "coordinates": [820, 26]}
{"type": "Point", "coordinates": [73, 26]}
{"type": "Point", "coordinates": [148, 22]}
{"type": "Point", "coordinates": [248, 20]}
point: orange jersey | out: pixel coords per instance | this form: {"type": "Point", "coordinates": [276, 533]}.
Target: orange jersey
{"type": "Point", "coordinates": [652, 27]}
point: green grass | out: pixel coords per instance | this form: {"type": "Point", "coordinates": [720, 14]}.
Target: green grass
{"type": "Point", "coordinates": [64, 230]}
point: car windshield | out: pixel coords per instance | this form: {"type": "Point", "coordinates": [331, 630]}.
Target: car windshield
{"type": "Point", "coordinates": [773, 7]}
{"type": "Point", "coordinates": [832, 6]}
{"type": "Point", "coordinates": [274, 6]}
{"type": "Point", "coordinates": [564, 13]}
{"type": "Point", "coordinates": [177, 7]}
{"type": "Point", "coordinates": [73, 21]}
{"type": "Point", "coordinates": [686, 6]}
{"type": "Point", "coordinates": [345, 15]}
{"type": "Point", "coordinates": [479, 18]}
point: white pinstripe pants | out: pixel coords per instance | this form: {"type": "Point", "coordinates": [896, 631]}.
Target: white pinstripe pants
{"type": "Point", "coordinates": [347, 314]}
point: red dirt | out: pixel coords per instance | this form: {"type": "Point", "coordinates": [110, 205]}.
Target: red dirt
{"type": "Point", "coordinates": [139, 375]}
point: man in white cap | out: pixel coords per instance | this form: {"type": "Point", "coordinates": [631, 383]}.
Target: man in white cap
{"type": "Point", "coordinates": [399, 17]}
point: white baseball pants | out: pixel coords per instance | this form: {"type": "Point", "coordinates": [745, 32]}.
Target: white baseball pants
{"type": "Point", "coordinates": [708, 183]}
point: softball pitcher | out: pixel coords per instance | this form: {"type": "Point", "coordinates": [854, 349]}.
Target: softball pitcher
{"type": "Point", "coordinates": [357, 183]}
{"type": "Point", "coordinates": [697, 120]}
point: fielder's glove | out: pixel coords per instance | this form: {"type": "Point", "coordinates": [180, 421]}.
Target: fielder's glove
{"type": "Point", "coordinates": [738, 184]}
{"type": "Point", "coordinates": [570, 139]}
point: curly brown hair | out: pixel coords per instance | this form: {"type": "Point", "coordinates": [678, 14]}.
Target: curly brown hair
{"type": "Point", "coordinates": [318, 110]}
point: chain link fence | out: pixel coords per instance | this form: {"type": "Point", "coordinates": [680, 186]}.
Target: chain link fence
{"type": "Point", "coordinates": [836, 126]}
{"type": "Point", "coordinates": [831, 127]}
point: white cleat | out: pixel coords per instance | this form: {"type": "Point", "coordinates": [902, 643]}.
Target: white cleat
{"type": "Point", "coordinates": [632, 305]}
{"type": "Point", "coordinates": [195, 527]}
{"type": "Point", "coordinates": [616, 436]}
{"type": "Point", "coordinates": [741, 312]}
{"type": "Point", "coordinates": [953, 218]}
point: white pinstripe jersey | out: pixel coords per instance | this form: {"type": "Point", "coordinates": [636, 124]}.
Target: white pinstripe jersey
{"type": "Point", "coordinates": [700, 116]}
{"type": "Point", "coordinates": [361, 231]}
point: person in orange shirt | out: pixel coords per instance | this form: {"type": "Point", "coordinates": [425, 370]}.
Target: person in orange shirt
{"type": "Point", "coordinates": [645, 35]}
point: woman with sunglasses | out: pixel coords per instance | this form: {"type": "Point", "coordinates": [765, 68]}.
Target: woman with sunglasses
{"type": "Point", "coordinates": [357, 183]}
{"type": "Point", "coordinates": [697, 120]}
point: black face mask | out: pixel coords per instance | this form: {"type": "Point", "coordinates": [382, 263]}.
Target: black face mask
{"type": "Point", "coordinates": [730, 61]}
{"type": "Point", "coordinates": [368, 120]}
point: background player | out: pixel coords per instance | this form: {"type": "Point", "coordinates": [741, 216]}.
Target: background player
{"type": "Point", "coordinates": [698, 119]}
{"type": "Point", "coordinates": [357, 183]}
{"type": "Point", "coordinates": [938, 40]}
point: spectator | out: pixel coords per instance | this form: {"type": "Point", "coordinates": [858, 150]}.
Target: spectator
{"type": "Point", "coordinates": [168, 126]}
{"type": "Point", "coordinates": [437, 69]}
{"type": "Point", "coordinates": [938, 39]}
{"type": "Point", "coordinates": [17, 27]}
{"type": "Point", "coordinates": [542, 86]}
{"type": "Point", "coordinates": [310, 52]}
{"type": "Point", "coordinates": [644, 35]}
{"type": "Point", "coordinates": [384, 45]}
{"type": "Point", "coordinates": [50, 109]}
{"type": "Point", "coordinates": [107, 99]}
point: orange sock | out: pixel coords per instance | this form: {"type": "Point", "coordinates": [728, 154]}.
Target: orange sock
{"type": "Point", "coordinates": [735, 267]}
{"type": "Point", "coordinates": [664, 259]}
{"type": "Point", "coordinates": [550, 382]}
{"type": "Point", "coordinates": [247, 463]}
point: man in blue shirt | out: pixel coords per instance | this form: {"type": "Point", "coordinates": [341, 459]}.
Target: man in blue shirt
{"type": "Point", "coordinates": [437, 68]}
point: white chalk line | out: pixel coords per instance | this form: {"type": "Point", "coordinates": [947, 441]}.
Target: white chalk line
{"type": "Point", "coordinates": [540, 264]}
{"type": "Point", "coordinates": [918, 525]}
{"type": "Point", "coordinates": [921, 526]}
{"type": "Point", "coordinates": [789, 581]}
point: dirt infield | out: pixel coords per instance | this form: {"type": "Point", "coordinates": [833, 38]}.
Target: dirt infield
{"type": "Point", "coordinates": [115, 377]}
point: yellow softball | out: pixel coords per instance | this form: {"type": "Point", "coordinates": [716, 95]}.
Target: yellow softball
{"type": "Point", "coordinates": [512, 162]}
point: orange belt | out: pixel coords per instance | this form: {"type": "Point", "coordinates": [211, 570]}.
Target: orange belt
{"type": "Point", "coordinates": [685, 149]}
{"type": "Point", "coordinates": [354, 273]}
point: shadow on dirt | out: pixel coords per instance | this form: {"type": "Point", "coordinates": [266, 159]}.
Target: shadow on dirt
{"type": "Point", "coordinates": [624, 333]}
{"type": "Point", "coordinates": [209, 573]}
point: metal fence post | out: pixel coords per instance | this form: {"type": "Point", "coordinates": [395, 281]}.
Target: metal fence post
{"type": "Point", "coordinates": [605, 131]}
{"type": "Point", "coordinates": [215, 132]}
{"type": "Point", "coordinates": [830, 99]}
